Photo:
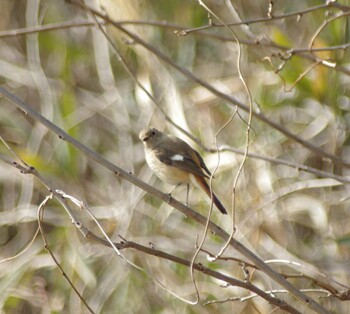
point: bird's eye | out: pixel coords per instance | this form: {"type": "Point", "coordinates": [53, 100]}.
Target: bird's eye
{"type": "Point", "coordinates": [153, 132]}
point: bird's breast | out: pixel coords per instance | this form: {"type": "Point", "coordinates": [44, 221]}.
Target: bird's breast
{"type": "Point", "coordinates": [166, 173]}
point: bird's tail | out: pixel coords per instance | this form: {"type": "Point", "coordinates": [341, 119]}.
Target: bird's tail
{"type": "Point", "coordinates": [201, 181]}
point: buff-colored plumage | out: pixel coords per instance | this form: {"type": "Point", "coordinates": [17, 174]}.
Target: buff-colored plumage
{"type": "Point", "coordinates": [175, 162]}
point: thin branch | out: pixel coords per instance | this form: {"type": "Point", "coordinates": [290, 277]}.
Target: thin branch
{"type": "Point", "coordinates": [47, 248]}
{"type": "Point", "coordinates": [178, 30]}
{"type": "Point", "coordinates": [247, 142]}
{"type": "Point", "coordinates": [301, 76]}
{"type": "Point", "coordinates": [341, 295]}
{"type": "Point", "coordinates": [128, 261]}
{"type": "Point", "coordinates": [127, 244]}
{"type": "Point", "coordinates": [299, 167]}
{"type": "Point", "coordinates": [62, 197]}
{"type": "Point", "coordinates": [45, 28]}
{"type": "Point", "coordinates": [201, 268]}
{"type": "Point", "coordinates": [324, 24]}
{"type": "Point", "coordinates": [271, 18]}
{"type": "Point", "coordinates": [272, 292]}
{"type": "Point", "coordinates": [231, 100]}
{"type": "Point", "coordinates": [166, 198]}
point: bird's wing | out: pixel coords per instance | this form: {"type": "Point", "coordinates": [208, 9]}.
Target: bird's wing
{"type": "Point", "coordinates": [182, 160]}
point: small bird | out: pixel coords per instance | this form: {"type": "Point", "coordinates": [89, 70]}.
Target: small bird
{"type": "Point", "coordinates": [175, 162]}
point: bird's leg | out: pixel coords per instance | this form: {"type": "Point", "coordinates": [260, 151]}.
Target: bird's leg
{"type": "Point", "coordinates": [187, 194]}
{"type": "Point", "coordinates": [176, 186]}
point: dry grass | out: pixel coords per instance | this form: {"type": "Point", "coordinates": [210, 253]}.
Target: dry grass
{"type": "Point", "coordinates": [291, 197]}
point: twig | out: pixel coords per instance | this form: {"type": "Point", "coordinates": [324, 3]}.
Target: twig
{"type": "Point", "coordinates": [60, 195]}
{"type": "Point", "coordinates": [203, 269]}
{"type": "Point", "coordinates": [231, 100]}
{"type": "Point", "coordinates": [47, 248]}
{"type": "Point", "coordinates": [165, 197]}
{"type": "Point", "coordinates": [324, 24]}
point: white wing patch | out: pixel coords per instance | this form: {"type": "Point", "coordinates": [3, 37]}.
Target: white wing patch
{"type": "Point", "coordinates": [177, 157]}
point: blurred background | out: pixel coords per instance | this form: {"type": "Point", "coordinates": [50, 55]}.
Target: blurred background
{"type": "Point", "coordinates": [55, 58]}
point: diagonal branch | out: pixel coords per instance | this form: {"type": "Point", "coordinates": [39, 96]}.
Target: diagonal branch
{"type": "Point", "coordinates": [231, 100]}
{"type": "Point", "coordinates": [166, 198]}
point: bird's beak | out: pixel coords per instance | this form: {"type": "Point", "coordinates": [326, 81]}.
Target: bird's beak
{"type": "Point", "coordinates": [144, 135]}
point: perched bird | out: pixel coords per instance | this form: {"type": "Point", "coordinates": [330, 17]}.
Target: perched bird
{"type": "Point", "coordinates": [175, 162]}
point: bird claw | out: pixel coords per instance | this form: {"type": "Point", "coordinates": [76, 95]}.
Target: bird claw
{"type": "Point", "coordinates": [169, 197]}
